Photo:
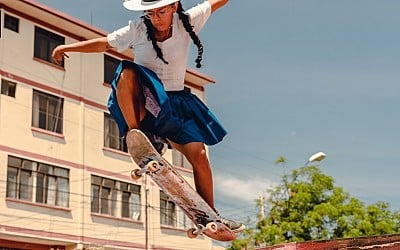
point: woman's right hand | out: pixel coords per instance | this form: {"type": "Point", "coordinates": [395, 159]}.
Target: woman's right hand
{"type": "Point", "coordinates": [59, 54]}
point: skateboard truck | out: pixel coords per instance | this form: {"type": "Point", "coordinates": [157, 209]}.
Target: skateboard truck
{"type": "Point", "coordinates": [200, 229]}
{"type": "Point", "coordinates": [149, 166]}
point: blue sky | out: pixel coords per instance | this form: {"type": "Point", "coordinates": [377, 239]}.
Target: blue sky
{"type": "Point", "coordinates": [295, 77]}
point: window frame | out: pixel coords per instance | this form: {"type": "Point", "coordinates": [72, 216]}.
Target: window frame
{"type": "Point", "coordinates": [44, 43]}
{"type": "Point", "coordinates": [29, 190]}
{"type": "Point", "coordinates": [105, 202]}
{"type": "Point", "coordinates": [111, 135]}
{"type": "Point", "coordinates": [131, 208]}
{"type": "Point", "coordinates": [114, 204]}
{"type": "Point", "coordinates": [45, 119]}
{"type": "Point", "coordinates": [51, 179]}
{"type": "Point", "coordinates": [168, 211]}
{"type": "Point", "coordinates": [11, 26]}
{"type": "Point", "coordinates": [8, 88]}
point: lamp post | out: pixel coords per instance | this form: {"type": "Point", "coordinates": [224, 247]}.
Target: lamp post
{"type": "Point", "coordinates": [316, 157]}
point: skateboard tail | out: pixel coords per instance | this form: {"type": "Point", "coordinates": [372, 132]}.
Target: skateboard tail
{"type": "Point", "coordinates": [176, 187]}
{"type": "Point", "coordinates": [222, 234]}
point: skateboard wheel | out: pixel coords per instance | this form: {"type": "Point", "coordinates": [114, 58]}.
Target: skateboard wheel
{"type": "Point", "coordinates": [136, 174]}
{"type": "Point", "coordinates": [153, 166]}
{"type": "Point", "coordinates": [212, 227]}
{"type": "Point", "coordinates": [192, 233]}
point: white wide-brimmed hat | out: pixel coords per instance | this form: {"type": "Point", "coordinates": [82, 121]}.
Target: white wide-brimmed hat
{"type": "Point", "coordinates": [146, 4]}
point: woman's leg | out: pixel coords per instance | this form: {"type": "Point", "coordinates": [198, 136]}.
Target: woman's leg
{"type": "Point", "coordinates": [130, 98]}
{"type": "Point", "coordinates": [196, 154]}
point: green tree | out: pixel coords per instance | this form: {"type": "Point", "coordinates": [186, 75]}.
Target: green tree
{"type": "Point", "coordinates": [244, 241]}
{"type": "Point", "coordinates": [306, 205]}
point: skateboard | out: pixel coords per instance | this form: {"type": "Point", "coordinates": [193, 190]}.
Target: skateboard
{"type": "Point", "coordinates": [207, 221]}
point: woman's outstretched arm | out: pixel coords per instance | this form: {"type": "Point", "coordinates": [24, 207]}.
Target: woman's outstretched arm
{"type": "Point", "coordinates": [216, 4]}
{"type": "Point", "coordinates": [89, 46]}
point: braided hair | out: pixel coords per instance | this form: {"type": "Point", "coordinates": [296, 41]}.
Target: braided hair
{"type": "Point", "coordinates": [184, 17]}
{"type": "Point", "coordinates": [151, 37]}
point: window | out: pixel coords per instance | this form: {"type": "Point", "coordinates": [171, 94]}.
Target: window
{"type": "Point", "coordinates": [19, 178]}
{"type": "Point", "coordinates": [8, 87]}
{"type": "Point", "coordinates": [183, 221]}
{"type": "Point", "coordinates": [52, 185]}
{"type": "Point", "coordinates": [11, 23]}
{"type": "Point", "coordinates": [45, 42]}
{"type": "Point", "coordinates": [38, 182]}
{"type": "Point", "coordinates": [167, 210]}
{"type": "Point", "coordinates": [171, 214]}
{"type": "Point", "coordinates": [47, 112]}
{"type": "Point", "coordinates": [111, 135]}
{"type": "Point", "coordinates": [131, 205]}
{"type": "Point", "coordinates": [104, 198]}
{"type": "Point", "coordinates": [110, 64]}
{"type": "Point", "coordinates": [179, 160]}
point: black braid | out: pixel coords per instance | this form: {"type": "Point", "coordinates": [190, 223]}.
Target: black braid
{"type": "Point", "coordinates": [151, 37]}
{"type": "Point", "coordinates": [184, 17]}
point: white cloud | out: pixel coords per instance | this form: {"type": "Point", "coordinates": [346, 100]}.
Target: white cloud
{"type": "Point", "coordinates": [246, 190]}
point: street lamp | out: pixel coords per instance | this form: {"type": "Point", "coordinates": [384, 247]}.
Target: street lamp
{"type": "Point", "coordinates": [316, 157]}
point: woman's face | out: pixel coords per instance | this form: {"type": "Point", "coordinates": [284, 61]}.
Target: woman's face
{"type": "Point", "coordinates": [161, 18]}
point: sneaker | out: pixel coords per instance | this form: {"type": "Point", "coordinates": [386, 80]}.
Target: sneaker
{"type": "Point", "coordinates": [158, 143]}
{"type": "Point", "coordinates": [233, 226]}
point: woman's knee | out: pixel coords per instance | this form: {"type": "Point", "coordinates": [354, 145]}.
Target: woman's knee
{"type": "Point", "coordinates": [127, 79]}
{"type": "Point", "coordinates": [197, 154]}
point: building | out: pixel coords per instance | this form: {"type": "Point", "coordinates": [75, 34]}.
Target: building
{"type": "Point", "coordinates": [64, 172]}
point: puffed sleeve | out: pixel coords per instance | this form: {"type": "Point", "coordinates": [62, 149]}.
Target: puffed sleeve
{"type": "Point", "coordinates": [123, 38]}
{"type": "Point", "coordinates": [199, 15]}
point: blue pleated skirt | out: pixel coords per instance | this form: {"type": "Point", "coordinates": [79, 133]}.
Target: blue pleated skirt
{"type": "Point", "coordinates": [179, 116]}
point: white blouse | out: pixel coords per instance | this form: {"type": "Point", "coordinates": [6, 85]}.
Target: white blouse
{"type": "Point", "coordinates": [175, 49]}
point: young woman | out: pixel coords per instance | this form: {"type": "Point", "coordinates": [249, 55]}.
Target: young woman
{"type": "Point", "coordinates": [148, 94]}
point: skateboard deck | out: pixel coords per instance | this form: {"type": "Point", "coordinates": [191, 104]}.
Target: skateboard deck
{"type": "Point", "coordinates": [206, 220]}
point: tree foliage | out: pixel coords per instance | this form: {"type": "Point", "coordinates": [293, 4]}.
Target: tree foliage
{"type": "Point", "coordinates": [306, 205]}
